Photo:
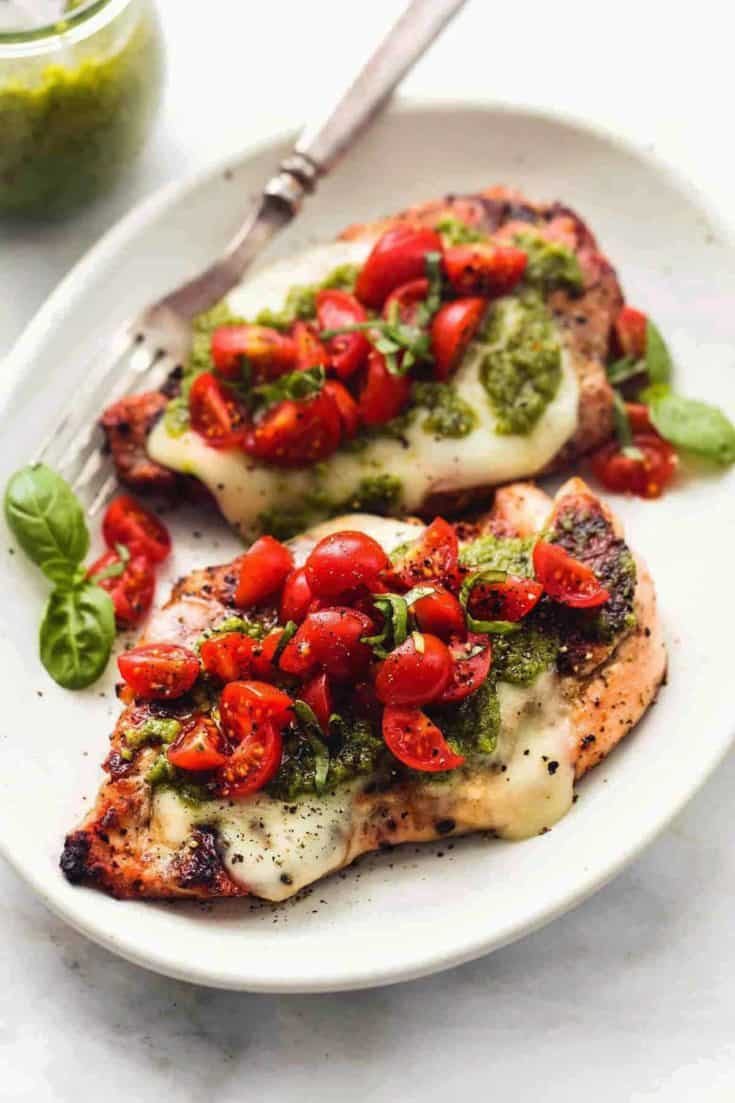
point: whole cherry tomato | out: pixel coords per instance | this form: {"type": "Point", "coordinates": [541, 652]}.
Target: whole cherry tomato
{"type": "Point", "coordinates": [216, 413]}
{"type": "Point", "coordinates": [646, 475]}
{"type": "Point", "coordinates": [199, 746]}
{"type": "Point", "coordinates": [317, 693]}
{"type": "Point", "coordinates": [383, 395]}
{"type": "Point", "coordinates": [347, 351]}
{"type": "Point", "coordinates": [481, 269]}
{"type": "Point", "coordinates": [415, 672]}
{"type": "Point", "coordinates": [453, 327]}
{"type": "Point", "coordinates": [159, 671]}
{"type": "Point", "coordinates": [131, 587]}
{"type": "Point", "coordinates": [630, 332]}
{"type": "Point", "coordinates": [416, 741]}
{"type": "Point", "coordinates": [349, 411]}
{"type": "Point", "coordinates": [511, 600]}
{"type": "Point", "coordinates": [433, 558]}
{"type": "Point", "coordinates": [397, 257]}
{"type": "Point", "coordinates": [471, 661]}
{"type": "Point", "coordinates": [296, 433]}
{"type": "Point", "coordinates": [406, 301]}
{"type": "Point", "coordinates": [344, 562]}
{"type": "Point", "coordinates": [296, 597]}
{"type": "Point", "coordinates": [567, 580]}
{"type": "Point", "coordinates": [330, 639]}
{"type": "Point", "coordinates": [128, 522]}
{"type": "Point", "coordinates": [440, 613]}
{"type": "Point", "coordinates": [263, 570]}
{"type": "Point", "coordinates": [267, 352]}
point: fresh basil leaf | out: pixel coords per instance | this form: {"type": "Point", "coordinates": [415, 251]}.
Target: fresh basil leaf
{"type": "Point", "coordinates": [313, 731]}
{"type": "Point", "coordinates": [295, 385]}
{"type": "Point", "coordinates": [692, 425]}
{"type": "Point", "coordinates": [77, 632]}
{"type": "Point", "coordinates": [620, 371]}
{"type": "Point", "coordinates": [658, 358]}
{"type": "Point", "coordinates": [47, 521]}
{"type": "Point", "coordinates": [433, 300]}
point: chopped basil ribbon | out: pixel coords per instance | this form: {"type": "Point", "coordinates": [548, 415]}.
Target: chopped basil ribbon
{"type": "Point", "coordinates": [623, 431]}
{"type": "Point", "coordinates": [313, 731]}
{"type": "Point", "coordinates": [290, 629]}
{"type": "Point", "coordinates": [658, 358]}
{"type": "Point", "coordinates": [294, 386]}
{"type": "Point", "coordinates": [394, 608]}
{"type": "Point", "coordinates": [497, 627]}
{"type": "Point", "coordinates": [115, 569]}
{"type": "Point", "coordinates": [620, 371]}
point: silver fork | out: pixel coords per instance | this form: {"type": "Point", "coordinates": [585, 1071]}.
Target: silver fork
{"type": "Point", "coordinates": [144, 352]}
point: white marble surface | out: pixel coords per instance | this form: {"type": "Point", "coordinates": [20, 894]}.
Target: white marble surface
{"type": "Point", "coordinates": [629, 997]}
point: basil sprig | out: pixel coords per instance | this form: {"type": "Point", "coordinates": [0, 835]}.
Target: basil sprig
{"type": "Point", "coordinates": [496, 627]}
{"type": "Point", "coordinates": [78, 626]}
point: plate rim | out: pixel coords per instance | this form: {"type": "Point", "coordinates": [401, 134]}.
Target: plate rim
{"type": "Point", "coordinates": [19, 358]}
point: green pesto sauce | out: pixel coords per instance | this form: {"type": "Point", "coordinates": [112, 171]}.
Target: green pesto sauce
{"type": "Point", "coordinates": [550, 265]}
{"type": "Point", "coordinates": [153, 730]}
{"type": "Point", "coordinates": [449, 415]}
{"type": "Point", "coordinates": [521, 366]}
{"type": "Point", "coordinates": [355, 750]}
{"type": "Point", "coordinates": [511, 554]}
{"type": "Point", "coordinates": [379, 494]}
{"type": "Point", "coordinates": [454, 231]}
{"type": "Point", "coordinates": [70, 133]}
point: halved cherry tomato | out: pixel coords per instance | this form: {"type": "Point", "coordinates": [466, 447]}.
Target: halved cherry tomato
{"type": "Point", "coordinates": [199, 746]}
{"type": "Point", "coordinates": [296, 597]}
{"type": "Point", "coordinates": [318, 695]}
{"type": "Point", "coordinates": [310, 351]}
{"type": "Point", "coordinates": [471, 658]}
{"type": "Point", "coordinates": [347, 351]}
{"type": "Point", "coordinates": [453, 327]}
{"type": "Point", "coordinates": [129, 523]}
{"type": "Point", "coordinates": [647, 477]}
{"type": "Point", "coordinates": [440, 613]}
{"type": "Point", "coordinates": [414, 673]}
{"type": "Point", "coordinates": [406, 301]}
{"type": "Point", "coordinates": [397, 257]}
{"type": "Point", "coordinates": [349, 411]}
{"type": "Point", "coordinates": [509, 600]}
{"type": "Point", "coordinates": [481, 269]}
{"type": "Point", "coordinates": [216, 413]}
{"type": "Point", "coordinates": [639, 417]}
{"type": "Point", "coordinates": [383, 395]}
{"type": "Point", "coordinates": [331, 639]}
{"type": "Point", "coordinates": [268, 352]}
{"type": "Point", "coordinates": [159, 671]}
{"type": "Point", "coordinates": [253, 714]}
{"type": "Point", "coordinates": [565, 579]}
{"type": "Point", "coordinates": [296, 434]}
{"type": "Point", "coordinates": [433, 558]}
{"type": "Point", "coordinates": [344, 562]}
{"type": "Point", "coordinates": [416, 741]}
{"type": "Point", "coordinates": [131, 590]}
{"type": "Point", "coordinates": [235, 656]}
{"type": "Point", "coordinates": [263, 570]}
{"type": "Point", "coordinates": [630, 331]}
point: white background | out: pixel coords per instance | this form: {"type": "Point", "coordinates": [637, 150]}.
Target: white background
{"type": "Point", "coordinates": [630, 997]}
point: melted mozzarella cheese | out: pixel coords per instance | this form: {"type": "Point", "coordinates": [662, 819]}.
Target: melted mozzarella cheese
{"type": "Point", "coordinates": [425, 463]}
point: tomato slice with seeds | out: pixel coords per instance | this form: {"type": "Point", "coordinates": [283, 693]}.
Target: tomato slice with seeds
{"type": "Point", "coordinates": [296, 433]}
{"type": "Point", "coordinates": [296, 597]}
{"type": "Point", "coordinates": [347, 351]}
{"type": "Point", "coordinates": [199, 746]}
{"type": "Point", "coordinates": [131, 590]}
{"type": "Point", "coordinates": [344, 562]}
{"type": "Point", "coordinates": [481, 269]}
{"type": "Point", "coordinates": [565, 579]}
{"type": "Point", "coordinates": [310, 351]}
{"type": "Point", "coordinates": [159, 671]}
{"type": "Point", "coordinates": [253, 716]}
{"type": "Point", "coordinates": [416, 741]}
{"type": "Point", "coordinates": [630, 332]}
{"type": "Point", "coordinates": [349, 411]}
{"type": "Point", "coordinates": [406, 301]}
{"type": "Point", "coordinates": [471, 661]}
{"type": "Point", "coordinates": [263, 570]}
{"type": "Point", "coordinates": [414, 673]}
{"type": "Point", "coordinates": [128, 522]}
{"type": "Point", "coordinates": [267, 352]}
{"type": "Point", "coordinates": [453, 327]}
{"type": "Point", "coordinates": [646, 476]}
{"type": "Point", "coordinates": [330, 639]}
{"type": "Point", "coordinates": [235, 656]}
{"type": "Point", "coordinates": [398, 256]}
{"type": "Point", "coordinates": [440, 613]}
{"type": "Point", "coordinates": [433, 558]}
{"type": "Point", "coordinates": [216, 413]}
{"type": "Point", "coordinates": [511, 600]}
{"type": "Point", "coordinates": [383, 395]}
{"type": "Point", "coordinates": [317, 693]}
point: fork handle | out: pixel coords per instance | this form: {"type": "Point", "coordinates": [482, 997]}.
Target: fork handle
{"type": "Point", "coordinates": [324, 140]}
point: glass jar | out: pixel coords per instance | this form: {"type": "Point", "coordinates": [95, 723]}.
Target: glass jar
{"type": "Point", "coordinates": [77, 98]}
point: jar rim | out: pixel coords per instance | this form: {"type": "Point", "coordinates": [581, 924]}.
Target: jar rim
{"type": "Point", "coordinates": [74, 27]}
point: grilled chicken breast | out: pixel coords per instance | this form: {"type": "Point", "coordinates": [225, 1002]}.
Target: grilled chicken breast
{"type": "Point", "coordinates": [142, 840]}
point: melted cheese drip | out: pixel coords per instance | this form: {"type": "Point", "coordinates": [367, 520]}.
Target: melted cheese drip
{"type": "Point", "coordinates": [425, 464]}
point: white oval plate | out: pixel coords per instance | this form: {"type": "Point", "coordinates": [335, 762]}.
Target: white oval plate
{"type": "Point", "coordinates": [416, 909]}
